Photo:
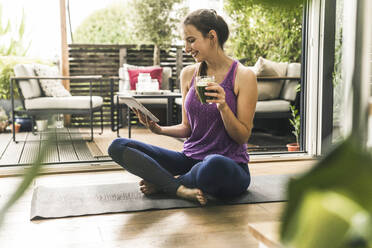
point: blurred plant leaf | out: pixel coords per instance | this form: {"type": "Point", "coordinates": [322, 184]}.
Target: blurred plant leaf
{"type": "Point", "coordinates": [346, 171]}
{"type": "Point", "coordinates": [21, 30]}
{"type": "Point", "coordinates": [28, 178]}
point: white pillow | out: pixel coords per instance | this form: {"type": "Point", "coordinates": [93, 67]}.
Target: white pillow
{"type": "Point", "coordinates": [269, 90]}
{"type": "Point", "coordinates": [51, 87]}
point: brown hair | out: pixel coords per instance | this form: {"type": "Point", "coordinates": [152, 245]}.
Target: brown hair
{"type": "Point", "coordinates": [205, 20]}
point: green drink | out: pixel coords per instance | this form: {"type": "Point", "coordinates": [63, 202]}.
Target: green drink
{"type": "Point", "coordinates": [200, 85]}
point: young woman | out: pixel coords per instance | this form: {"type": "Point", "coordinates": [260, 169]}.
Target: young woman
{"type": "Point", "coordinates": [214, 160]}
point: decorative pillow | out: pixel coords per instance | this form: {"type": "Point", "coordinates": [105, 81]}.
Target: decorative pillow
{"type": "Point", "coordinates": [50, 87]}
{"type": "Point", "coordinates": [155, 73]}
{"type": "Point", "coordinates": [289, 88]}
{"type": "Point", "coordinates": [268, 90]}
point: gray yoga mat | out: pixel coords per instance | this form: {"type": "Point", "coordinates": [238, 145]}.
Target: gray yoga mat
{"type": "Point", "coordinates": [55, 202]}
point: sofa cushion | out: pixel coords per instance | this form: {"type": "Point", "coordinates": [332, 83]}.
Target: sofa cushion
{"type": "Point", "coordinates": [289, 87]}
{"type": "Point", "coordinates": [69, 102]}
{"type": "Point", "coordinates": [268, 90]}
{"type": "Point", "coordinates": [50, 87]}
{"type": "Point", "coordinates": [273, 106]}
{"type": "Point", "coordinates": [29, 88]}
{"type": "Point", "coordinates": [124, 76]}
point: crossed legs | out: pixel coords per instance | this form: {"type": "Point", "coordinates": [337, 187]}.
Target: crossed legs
{"type": "Point", "coordinates": [216, 175]}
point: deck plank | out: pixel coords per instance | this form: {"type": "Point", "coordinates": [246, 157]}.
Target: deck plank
{"type": "Point", "coordinates": [81, 148]}
{"type": "Point", "coordinates": [5, 138]}
{"type": "Point", "coordinates": [82, 151]}
{"type": "Point", "coordinates": [30, 151]}
{"type": "Point", "coordinates": [66, 149]}
{"type": "Point", "coordinates": [14, 150]}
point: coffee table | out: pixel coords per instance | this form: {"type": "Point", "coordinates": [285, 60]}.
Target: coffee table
{"type": "Point", "coordinates": [170, 96]}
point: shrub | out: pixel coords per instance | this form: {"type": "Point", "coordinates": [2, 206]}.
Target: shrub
{"type": "Point", "coordinates": [110, 25]}
{"type": "Point", "coordinates": [259, 30]}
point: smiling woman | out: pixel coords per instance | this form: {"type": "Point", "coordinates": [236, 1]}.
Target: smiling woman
{"type": "Point", "coordinates": [214, 161]}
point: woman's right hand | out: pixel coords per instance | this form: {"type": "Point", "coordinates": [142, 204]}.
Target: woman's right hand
{"type": "Point", "coordinates": [145, 120]}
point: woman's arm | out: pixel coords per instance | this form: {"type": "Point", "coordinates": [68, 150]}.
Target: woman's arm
{"type": "Point", "coordinates": [239, 127]}
{"type": "Point", "coordinates": [182, 130]}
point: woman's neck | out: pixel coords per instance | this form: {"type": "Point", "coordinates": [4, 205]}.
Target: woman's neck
{"type": "Point", "coordinates": [218, 61]}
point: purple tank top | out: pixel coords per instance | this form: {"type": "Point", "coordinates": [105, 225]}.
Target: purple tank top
{"type": "Point", "coordinates": [208, 133]}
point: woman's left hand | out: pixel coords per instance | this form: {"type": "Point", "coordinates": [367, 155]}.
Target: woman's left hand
{"type": "Point", "coordinates": [218, 93]}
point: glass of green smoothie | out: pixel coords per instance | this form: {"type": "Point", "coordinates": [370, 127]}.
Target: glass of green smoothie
{"type": "Point", "coordinates": [201, 82]}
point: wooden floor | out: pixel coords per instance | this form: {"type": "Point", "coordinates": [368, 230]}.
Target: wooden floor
{"type": "Point", "coordinates": [222, 226]}
{"type": "Point", "coordinates": [69, 146]}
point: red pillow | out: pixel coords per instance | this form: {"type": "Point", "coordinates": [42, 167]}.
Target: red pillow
{"type": "Point", "coordinates": [155, 73]}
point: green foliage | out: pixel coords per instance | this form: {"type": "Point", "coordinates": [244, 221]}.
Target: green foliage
{"type": "Point", "coordinates": [265, 30]}
{"type": "Point", "coordinates": [295, 122]}
{"type": "Point", "coordinates": [330, 206]}
{"type": "Point", "coordinates": [111, 25]}
{"type": "Point", "coordinates": [10, 45]}
{"type": "Point", "coordinates": [157, 20]}
{"type": "Point", "coordinates": [281, 4]}
{"type": "Point", "coordinates": [3, 115]}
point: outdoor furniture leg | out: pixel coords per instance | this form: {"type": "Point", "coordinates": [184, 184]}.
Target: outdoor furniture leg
{"type": "Point", "coordinates": [118, 114]}
{"type": "Point", "coordinates": [13, 112]}
{"type": "Point", "coordinates": [169, 111]}
{"type": "Point", "coordinates": [91, 111]}
{"type": "Point", "coordinates": [33, 119]}
{"type": "Point", "coordinates": [101, 121]}
{"type": "Point", "coordinates": [129, 124]}
{"type": "Point", "coordinates": [112, 104]}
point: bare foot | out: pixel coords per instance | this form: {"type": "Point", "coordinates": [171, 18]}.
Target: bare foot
{"type": "Point", "coordinates": [192, 194]}
{"type": "Point", "coordinates": [148, 188]}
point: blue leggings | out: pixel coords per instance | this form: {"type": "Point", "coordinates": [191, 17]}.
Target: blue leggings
{"type": "Point", "coordinates": [215, 175]}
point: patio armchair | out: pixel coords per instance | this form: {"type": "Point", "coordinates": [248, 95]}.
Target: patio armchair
{"type": "Point", "coordinates": [42, 93]}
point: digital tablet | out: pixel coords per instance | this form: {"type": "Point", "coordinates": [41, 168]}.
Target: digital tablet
{"type": "Point", "coordinates": [134, 104]}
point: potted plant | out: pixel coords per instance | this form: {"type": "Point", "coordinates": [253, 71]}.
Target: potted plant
{"type": "Point", "coordinates": [295, 122]}
{"type": "Point", "coordinates": [22, 122]}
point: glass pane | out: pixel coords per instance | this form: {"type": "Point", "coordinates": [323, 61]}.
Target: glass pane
{"type": "Point", "coordinates": [261, 31]}
{"type": "Point", "coordinates": [338, 95]}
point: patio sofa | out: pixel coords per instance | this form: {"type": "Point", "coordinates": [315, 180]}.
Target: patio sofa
{"type": "Point", "coordinates": [42, 93]}
{"type": "Point", "coordinates": [277, 88]}
{"type": "Point", "coordinates": [277, 83]}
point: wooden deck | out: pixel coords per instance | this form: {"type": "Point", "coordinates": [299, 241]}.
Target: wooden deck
{"type": "Point", "coordinates": [68, 146]}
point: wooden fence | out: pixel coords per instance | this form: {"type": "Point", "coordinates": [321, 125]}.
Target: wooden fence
{"type": "Point", "coordinates": [105, 60]}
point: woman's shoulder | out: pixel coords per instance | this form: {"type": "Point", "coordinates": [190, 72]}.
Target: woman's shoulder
{"type": "Point", "coordinates": [187, 73]}
{"type": "Point", "coordinates": [245, 71]}
{"type": "Point", "coordinates": [245, 78]}
{"type": "Point", "coordinates": [189, 70]}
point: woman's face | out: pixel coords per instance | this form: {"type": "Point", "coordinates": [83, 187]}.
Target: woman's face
{"type": "Point", "coordinates": [195, 43]}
